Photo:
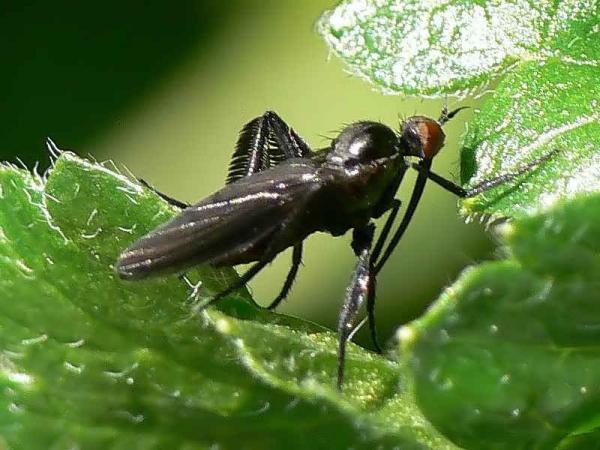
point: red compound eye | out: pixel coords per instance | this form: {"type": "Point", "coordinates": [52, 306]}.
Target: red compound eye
{"type": "Point", "coordinates": [422, 137]}
{"type": "Point", "coordinates": [432, 137]}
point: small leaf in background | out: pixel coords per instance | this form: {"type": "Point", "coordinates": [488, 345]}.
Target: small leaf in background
{"type": "Point", "coordinates": [508, 357]}
{"type": "Point", "coordinates": [89, 361]}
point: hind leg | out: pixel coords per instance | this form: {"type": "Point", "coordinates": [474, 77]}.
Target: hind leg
{"type": "Point", "coordinates": [264, 142]}
{"type": "Point", "coordinates": [170, 200]}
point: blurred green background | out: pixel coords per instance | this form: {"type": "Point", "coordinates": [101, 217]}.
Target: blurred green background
{"type": "Point", "coordinates": [163, 88]}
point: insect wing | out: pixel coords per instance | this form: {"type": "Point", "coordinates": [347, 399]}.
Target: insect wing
{"type": "Point", "coordinates": [228, 223]}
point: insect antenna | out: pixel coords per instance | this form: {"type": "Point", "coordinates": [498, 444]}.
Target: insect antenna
{"type": "Point", "coordinates": [446, 115]}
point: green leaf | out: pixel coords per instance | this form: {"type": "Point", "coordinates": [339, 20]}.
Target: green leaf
{"type": "Point", "coordinates": [90, 361]}
{"type": "Point", "coordinates": [588, 441]}
{"type": "Point", "coordinates": [548, 100]}
{"type": "Point", "coordinates": [536, 109]}
{"type": "Point", "coordinates": [433, 48]}
{"type": "Point", "coordinates": [508, 357]}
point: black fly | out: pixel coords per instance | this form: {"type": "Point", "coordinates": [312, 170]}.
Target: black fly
{"type": "Point", "coordinates": [279, 191]}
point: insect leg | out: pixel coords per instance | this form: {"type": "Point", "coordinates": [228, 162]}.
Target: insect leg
{"type": "Point", "coordinates": [374, 255]}
{"type": "Point", "coordinates": [170, 200]}
{"type": "Point", "coordinates": [264, 142]}
{"type": "Point", "coordinates": [386, 230]}
{"type": "Point", "coordinates": [358, 290]}
{"type": "Point", "coordinates": [277, 241]}
{"type": "Point", "coordinates": [487, 184]}
{"type": "Point", "coordinates": [424, 167]}
{"type": "Point", "coordinates": [245, 278]}
{"type": "Point", "coordinates": [286, 139]}
{"type": "Point", "coordinates": [250, 155]}
{"type": "Point", "coordinates": [291, 276]}
{"type": "Point", "coordinates": [371, 310]}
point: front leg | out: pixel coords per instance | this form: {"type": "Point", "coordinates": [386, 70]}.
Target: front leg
{"type": "Point", "coordinates": [360, 288]}
{"type": "Point", "coordinates": [387, 227]}
{"type": "Point", "coordinates": [381, 240]}
{"type": "Point", "coordinates": [486, 185]}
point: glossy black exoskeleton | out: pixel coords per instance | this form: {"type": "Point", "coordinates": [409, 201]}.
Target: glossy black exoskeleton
{"type": "Point", "coordinates": [279, 191]}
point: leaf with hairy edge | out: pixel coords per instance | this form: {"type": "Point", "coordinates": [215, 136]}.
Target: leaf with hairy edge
{"type": "Point", "coordinates": [434, 48]}
{"type": "Point", "coordinates": [90, 361]}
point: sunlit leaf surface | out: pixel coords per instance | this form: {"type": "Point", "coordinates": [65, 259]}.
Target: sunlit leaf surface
{"type": "Point", "coordinates": [432, 47]}
{"type": "Point", "coordinates": [89, 361]}
{"type": "Point", "coordinates": [535, 110]}
{"type": "Point", "coordinates": [548, 99]}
